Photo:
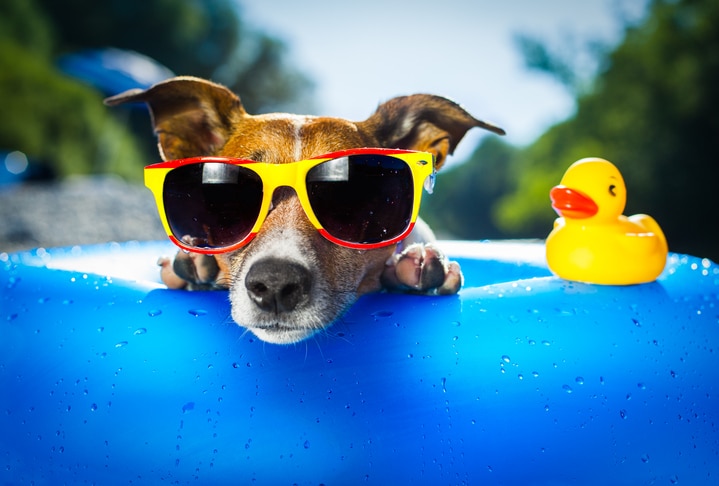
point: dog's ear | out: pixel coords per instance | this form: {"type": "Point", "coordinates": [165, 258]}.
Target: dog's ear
{"type": "Point", "coordinates": [423, 122]}
{"type": "Point", "coordinates": [192, 117]}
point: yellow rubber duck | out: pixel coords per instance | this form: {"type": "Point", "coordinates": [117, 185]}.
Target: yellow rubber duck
{"type": "Point", "coordinates": [592, 241]}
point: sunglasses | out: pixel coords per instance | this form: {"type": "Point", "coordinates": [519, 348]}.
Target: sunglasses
{"type": "Point", "coordinates": [361, 198]}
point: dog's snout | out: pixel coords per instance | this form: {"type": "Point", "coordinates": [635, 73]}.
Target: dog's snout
{"type": "Point", "coordinates": [277, 285]}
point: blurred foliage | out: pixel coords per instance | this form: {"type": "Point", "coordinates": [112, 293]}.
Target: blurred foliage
{"type": "Point", "coordinates": [58, 121]}
{"type": "Point", "coordinates": [62, 121]}
{"type": "Point", "coordinates": [200, 38]}
{"type": "Point", "coordinates": [573, 62]}
{"type": "Point", "coordinates": [648, 105]}
{"type": "Point", "coordinates": [50, 117]}
{"type": "Point", "coordinates": [461, 205]}
{"type": "Point", "coordinates": [652, 110]}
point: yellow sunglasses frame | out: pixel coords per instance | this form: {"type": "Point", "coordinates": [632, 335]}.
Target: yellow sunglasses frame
{"type": "Point", "coordinates": [293, 175]}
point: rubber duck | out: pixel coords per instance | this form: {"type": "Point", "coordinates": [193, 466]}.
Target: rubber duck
{"type": "Point", "coordinates": [592, 241]}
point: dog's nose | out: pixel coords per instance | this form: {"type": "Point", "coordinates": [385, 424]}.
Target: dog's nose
{"type": "Point", "coordinates": [277, 285]}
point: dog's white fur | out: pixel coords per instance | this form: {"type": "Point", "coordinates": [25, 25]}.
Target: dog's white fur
{"type": "Point", "coordinates": [290, 246]}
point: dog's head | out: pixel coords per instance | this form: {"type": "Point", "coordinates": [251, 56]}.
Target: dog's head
{"type": "Point", "coordinates": [290, 282]}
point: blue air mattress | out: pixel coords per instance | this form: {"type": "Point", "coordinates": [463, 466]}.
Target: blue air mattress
{"type": "Point", "coordinates": [523, 378]}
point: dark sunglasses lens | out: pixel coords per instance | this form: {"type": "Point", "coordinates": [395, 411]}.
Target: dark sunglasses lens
{"type": "Point", "coordinates": [212, 205]}
{"type": "Point", "coordinates": [364, 198]}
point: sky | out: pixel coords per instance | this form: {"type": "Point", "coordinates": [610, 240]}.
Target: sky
{"type": "Point", "coordinates": [361, 53]}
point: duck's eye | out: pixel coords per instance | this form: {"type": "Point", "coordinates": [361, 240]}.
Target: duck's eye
{"type": "Point", "coordinates": [612, 189]}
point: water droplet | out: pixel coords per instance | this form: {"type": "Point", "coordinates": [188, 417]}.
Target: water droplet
{"type": "Point", "coordinates": [567, 388]}
{"type": "Point", "coordinates": [520, 376]}
{"type": "Point", "coordinates": [382, 314]}
{"type": "Point", "coordinates": [154, 312]}
{"type": "Point", "coordinates": [546, 343]}
{"type": "Point", "coordinates": [505, 358]}
{"type": "Point", "coordinates": [188, 407]}
{"type": "Point", "coordinates": [641, 386]}
{"type": "Point", "coordinates": [100, 329]}
{"type": "Point", "coordinates": [623, 413]}
{"type": "Point", "coordinates": [121, 344]}
{"type": "Point", "coordinates": [645, 458]}
{"type": "Point", "coordinates": [579, 380]}
{"type": "Point", "coordinates": [93, 407]}
{"type": "Point", "coordinates": [197, 312]}
{"type": "Point", "coordinates": [306, 445]}
{"type": "Point", "coordinates": [535, 374]}
{"type": "Point", "coordinates": [444, 385]}
{"type": "Point", "coordinates": [139, 331]}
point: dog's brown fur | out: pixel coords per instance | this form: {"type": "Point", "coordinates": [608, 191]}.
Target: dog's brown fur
{"type": "Point", "coordinates": [194, 117]}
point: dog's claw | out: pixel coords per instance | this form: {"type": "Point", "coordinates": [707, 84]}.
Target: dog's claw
{"type": "Point", "coordinates": [168, 275]}
{"type": "Point", "coordinates": [422, 268]}
{"type": "Point", "coordinates": [453, 280]}
{"type": "Point", "coordinates": [193, 271]}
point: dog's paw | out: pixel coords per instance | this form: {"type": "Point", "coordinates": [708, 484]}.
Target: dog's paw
{"type": "Point", "coordinates": [422, 268]}
{"type": "Point", "coordinates": [191, 271]}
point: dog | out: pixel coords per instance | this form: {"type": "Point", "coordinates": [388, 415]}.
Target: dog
{"type": "Point", "coordinates": [290, 282]}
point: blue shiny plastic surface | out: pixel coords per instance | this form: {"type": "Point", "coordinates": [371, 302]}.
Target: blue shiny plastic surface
{"type": "Point", "coordinates": [523, 378]}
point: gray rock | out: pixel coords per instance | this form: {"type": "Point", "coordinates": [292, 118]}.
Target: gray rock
{"type": "Point", "coordinates": [76, 211]}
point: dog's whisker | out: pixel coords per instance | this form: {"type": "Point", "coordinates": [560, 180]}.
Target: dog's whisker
{"type": "Point", "coordinates": [307, 349]}
{"type": "Point", "coordinates": [223, 283]}
{"type": "Point", "coordinates": [333, 331]}
{"type": "Point", "coordinates": [244, 333]}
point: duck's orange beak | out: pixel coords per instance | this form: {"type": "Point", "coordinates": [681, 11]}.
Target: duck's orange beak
{"type": "Point", "coordinates": [570, 203]}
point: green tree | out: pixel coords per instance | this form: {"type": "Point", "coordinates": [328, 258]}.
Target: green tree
{"type": "Point", "coordinates": [207, 39]}
{"type": "Point", "coordinates": [652, 110]}
{"type": "Point", "coordinates": [48, 116]}
{"type": "Point", "coordinates": [62, 121]}
{"type": "Point", "coordinates": [58, 121]}
{"type": "Point", "coordinates": [653, 113]}
{"type": "Point", "coordinates": [462, 205]}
